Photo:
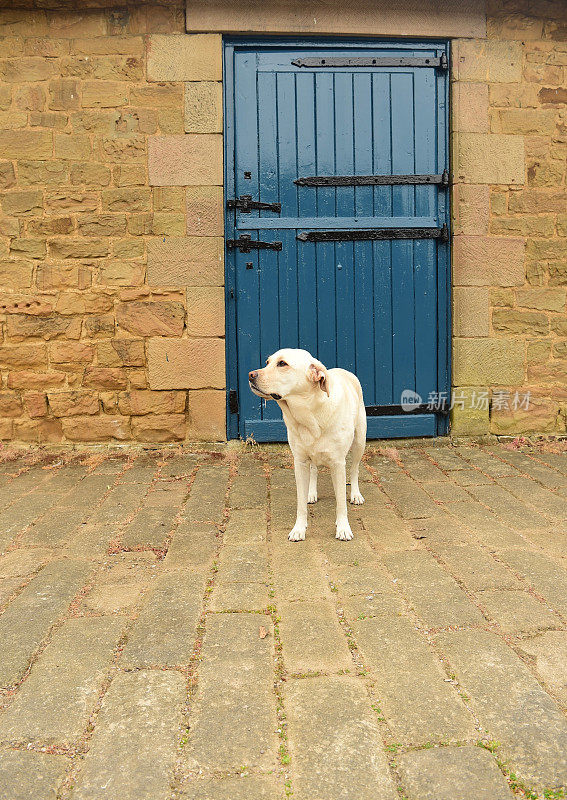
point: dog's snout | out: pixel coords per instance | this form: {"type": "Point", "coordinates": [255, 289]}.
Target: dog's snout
{"type": "Point", "coordinates": [252, 375]}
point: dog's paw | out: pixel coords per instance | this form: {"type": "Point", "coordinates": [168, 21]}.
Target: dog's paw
{"type": "Point", "coordinates": [312, 497]}
{"type": "Point", "coordinates": [356, 498]}
{"type": "Point", "coordinates": [344, 532]}
{"type": "Point", "coordinates": [297, 534]}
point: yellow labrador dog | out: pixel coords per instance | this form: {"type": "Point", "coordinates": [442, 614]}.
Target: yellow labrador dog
{"type": "Point", "coordinates": [324, 413]}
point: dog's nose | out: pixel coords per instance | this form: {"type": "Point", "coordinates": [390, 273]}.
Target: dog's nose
{"type": "Point", "coordinates": [252, 375]}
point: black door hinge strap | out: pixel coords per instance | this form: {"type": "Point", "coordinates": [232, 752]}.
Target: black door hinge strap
{"type": "Point", "coordinates": [375, 234]}
{"type": "Point", "coordinates": [439, 179]}
{"type": "Point", "coordinates": [245, 243]}
{"type": "Point", "coordinates": [245, 204]}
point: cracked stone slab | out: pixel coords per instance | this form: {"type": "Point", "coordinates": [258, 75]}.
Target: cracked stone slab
{"type": "Point", "coordinates": [25, 774]}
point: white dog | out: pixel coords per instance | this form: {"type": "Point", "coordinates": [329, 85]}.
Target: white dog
{"type": "Point", "coordinates": [325, 418]}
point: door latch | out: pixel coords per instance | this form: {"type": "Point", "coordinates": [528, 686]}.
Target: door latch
{"type": "Point", "coordinates": [245, 204]}
{"type": "Point", "coordinates": [233, 401]}
{"type": "Point", "coordinates": [245, 243]}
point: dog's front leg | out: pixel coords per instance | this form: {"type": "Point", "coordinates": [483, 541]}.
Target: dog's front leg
{"type": "Point", "coordinates": [338, 474]}
{"type": "Point", "coordinates": [297, 533]}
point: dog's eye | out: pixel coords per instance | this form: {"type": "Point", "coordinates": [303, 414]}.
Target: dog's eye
{"type": "Point", "coordinates": [282, 364]}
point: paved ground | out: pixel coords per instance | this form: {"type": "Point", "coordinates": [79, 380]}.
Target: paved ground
{"type": "Point", "coordinates": [162, 639]}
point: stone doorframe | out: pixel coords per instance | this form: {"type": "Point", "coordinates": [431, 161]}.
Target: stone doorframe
{"type": "Point", "coordinates": [486, 159]}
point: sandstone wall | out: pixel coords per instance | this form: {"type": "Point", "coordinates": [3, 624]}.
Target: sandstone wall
{"type": "Point", "coordinates": [509, 147]}
{"type": "Point", "coordinates": [111, 258]}
{"type": "Point", "coordinates": [111, 223]}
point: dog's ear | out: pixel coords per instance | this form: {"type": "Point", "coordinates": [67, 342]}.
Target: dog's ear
{"type": "Point", "coordinates": [317, 373]}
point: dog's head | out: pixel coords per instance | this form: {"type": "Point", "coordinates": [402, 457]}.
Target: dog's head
{"type": "Point", "coordinates": [289, 372]}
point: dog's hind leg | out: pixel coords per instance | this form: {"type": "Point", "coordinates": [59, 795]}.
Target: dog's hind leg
{"type": "Point", "coordinates": [301, 468]}
{"type": "Point", "coordinates": [357, 450]}
{"type": "Point", "coordinates": [338, 474]}
{"type": "Point", "coordinates": [312, 496]}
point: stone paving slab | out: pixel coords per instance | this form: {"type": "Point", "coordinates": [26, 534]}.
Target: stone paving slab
{"type": "Point", "coordinates": [240, 597]}
{"type": "Point", "coordinates": [512, 706]}
{"type": "Point", "coordinates": [165, 631]}
{"type": "Point", "coordinates": [312, 640]}
{"type": "Point", "coordinates": [335, 743]}
{"type": "Point", "coordinates": [485, 525]}
{"type": "Point", "coordinates": [518, 612]}
{"type": "Point", "coordinates": [511, 511]}
{"type": "Point", "coordinates": [68, 676]}
{"type": "Point", "coordinates": [549, 650]}
{"type": "Point", "coordinates": [476, 568]}
{"type": "Point", "coordinates": [233, 720]}
{"type": "Point", "coordinates": [28, 618]}
{"type": "Point", "coordinates": [551, 505]}
{"type": "Point", "coordinates": [133, 747]}
{"type": "Point", "coordinates": [546, 577]}
{"type": "Point", "coordinates": [25, 775]}
{"type": "Point", "coordinates": [249, 787]}
{"type": "Point", "coordinates": [193, 546]}
{"type": "Point", "coordinates": [447, 773]}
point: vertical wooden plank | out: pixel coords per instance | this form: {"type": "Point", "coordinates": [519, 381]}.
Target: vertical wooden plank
{"type": "Point", "coordinates": [307, 208]}
{"type": "Point", "coordinates": [325, 252]}
{"type": "Point", "coordinates": [403, 298]}
{"type": "Point", "coordinates": [247, 284]}
{"type": "Point", "coordinates": [425, 251]}
{"type": "Point", "coordinates": [364, 331]}
{"type": "Point", "coordinates": [344, 251]}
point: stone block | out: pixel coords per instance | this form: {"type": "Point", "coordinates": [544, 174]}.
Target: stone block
{"type": "Point", "coordinates": [186, 363]}
{"type": "Point", "coordinates": [471, 209]}
{"type": "Point", "coordinates": [205, 211]}
{"type": "Point", "coordinates": [96, 429]}
{"type": "Point", "coordinates": [7, 175]}
{"type": "Point", "coordinates": [24, 773]}
{"type": "Point", "coordinates": [470, 107]}
{"type": "Point", "coordinates": [105, 378]}
{"type": "Point", "coordinates": [472, 419]}
{"type": "Point", "coordinates": [250, 787]}
{"type": "Point", "coordinates": [16, 274]}
{"type": "Point", "coordinates": [159, 427]}
{"type": "Point", "coordinates": [488, 261]}
{"type": "Point", "coordinates": [203, 107]}
{"type": "Point", "coordinates": [137, 727]}
{"type": "Point", "coordinates": [488, 60]}
{"type": "Point", "coordinates": [26, 379]}
{"type": "Point", "coordinates": [26, 70]}
{"type": "Point", "coordinates": [104, 94]}
{"type": "Point", "coordinates": [489, 158]}
{"type": "Point", "coordinates": [312, 639]}
{"type": "Point", "coordinates": [471, 311]}
{"type": "Point", "coordinates": [147, 402]}
{"type": "Point", "coordinates": [540, 417]}
{"type": "Point", "coordinates": [151, 318]}
{"type": "Point", "coordinates": [127, 199]}
{"type": "Point", "coordinates": [24, 204]}
{"type": "Point", "coordinates": [529, 121]}
{"type": "Point", "coordinates": [196, 57]}
{"type": "Point", "coordinates": [482, 362]}
{"type": "Point", "coordinates": [75, 403]}
{"type": "Point", "coordinates": [207, 415]}
{"type": "Point", "coordinates": [187, 160]}
{"type": "Point", "coordinates": [64, 94]}
{"type": "Point", "coordinates": [544, 299]}
{"type": "Point", "coordinates": [445, 772]}
{"type": "Point", "coordinates": [75, 146]}
{"type": "Point", "coordinates": [549, 651]}
{"type": "Point", "coordinates": [168, 95]}
{"type": "Point", "coordinates": [205, 311]}
{"type": "Point", "coordinates": [168, 198]}
{"type": "Point", "coordinates": [517, 612]}
{"type": "Point", "coordinates": [22, 355]}
{"type": "Point", "coordinates": [190, 261]}
{"type": "Point", "coordinates": [508, 320]}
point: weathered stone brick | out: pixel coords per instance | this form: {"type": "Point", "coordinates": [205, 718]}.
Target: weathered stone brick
{"type": "Point", "coordinates": [78, 248]}
{"type": "Point", "coordinates": [21, 327]}
{"type": "Point", "coordinates": [161, 95]}
{"type": "Point", "coordinates": [471, 312]}
{"type": "Point", "coordinates": [128, 248]}
{"type": "Point", "coordinates": [520, 95]}
{"type": "Point", "coordinates": [10, 404]}
{"type": "Point", "coordinates": [489, 158]}
{"type": "Point", "coordinates": [127, 199]}
{"type": "Point", "coordinates": [71, 201]}
{"type": "Point", "coordinates": [71, 352]}
{"type": "Point", "coordinates": [471, 418]}
{"type": "Point", "coordinates": [25, 772]}
{"type": "Point", "coordinates": [109, 45]}
{"type": "Point", "coordinates": [196, 57]}
{"type": "Point", "coordinates": [105, 378]}
{"type": "Point", "coordinates": [99, 325]}
{"type": "Point", "coordinates": [471, 209]}
{"type": "Point", "coordinates": [545, 173]}
{"type": "Point", "coordinates": [130, 150]}
{"type": "Point", "coordinates": [122, 273]}
{"type": "Point", "coordinates": [159, 427]}
{"type": "Point", "coordinates": [90, 175]}
{"type": "Point", "coordinates": [28, 98]}
{"type": "Point", "coordinates": [205, 311]}
{"type": "Point", "coordinates": [545, 299]}
{"type": "Point", "coordinates": [188, 160]}
{"type": "Point", "coordinates": [7, 175]}
{"type": "Point", "coordinates": [553, 96]}
{"type": "Point", "coordinates": [186, 363]}
{"type": "Point", "coordinates": [207, 415]}
{"type": "Point", "coordinates": [28, 248]}
{"type": "Point", "coordinates": [63, 276]}
{"type": "Point", "coordinates": [50, 173]}
{"type": "Point", "coordinates": [203, 107]}
{"type": "Point", "coordinates": [205, 211]}
{"type": "Point", "coordinates": [527, 121]}
{"type": "Point", "coordinates": [488, 261]}
{"type": "Point", "coordinates": [101, 224]}
{"type": "Point", "coordinates": [470, 107]}
{"type": "Point", "coordinates": [132, 175]}
{"type": "Point", "coordinates": [190, 261]}
{"type": "Point", "coordinates": [513, 321]}
{"type": "Point", "coordinates": [543, 226]}
{"type": "Point", "coordinates": [104, 94]}
{"type": "Point", "coordinates": [76, 403]}
{"type": "Point", "coordinates": [151, 318]}
{"type": "Point", "coordinates": [27, 203]}
{"type": "Point", "coordinates": [48, 119]}
{"type": "Point", "coordinates": [488, 60]}
{"type": "Point", "coordinates": [96, 428]}
{"type": "Point", "coordinates": [169, 198]}
{"type": "Point", "coordinates": [25, 379]}
{"type": "Point", "coordinates": [486, 362]}
{"type": "Point", "coordinates": [22, 355]}
{"type": "Point", "coordinates": [26, 69]}
{"type": "Point", "coordinates": [72, 146]}
{"type": "Point", "coordinates": [64, 94]}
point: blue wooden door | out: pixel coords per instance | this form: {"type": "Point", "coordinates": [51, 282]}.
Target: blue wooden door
{"type": "Point", "coordinates": [314, 133]}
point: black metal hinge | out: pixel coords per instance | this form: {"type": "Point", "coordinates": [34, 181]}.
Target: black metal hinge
{"type": "Point", "coordinates": [375, 234]}
{"type": "Point", "coordinates": [245, 243]}
{"type": "Point", "coordinates": [245, 204]}
{"type": "Point", "coordinates": [376, 61]}
{"type": "Point", "coordinates": [439, 179]}
{"type": "Point", "coordinates": [394, 410]}
{"type": "Point", "coordinates": [233, 401]}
